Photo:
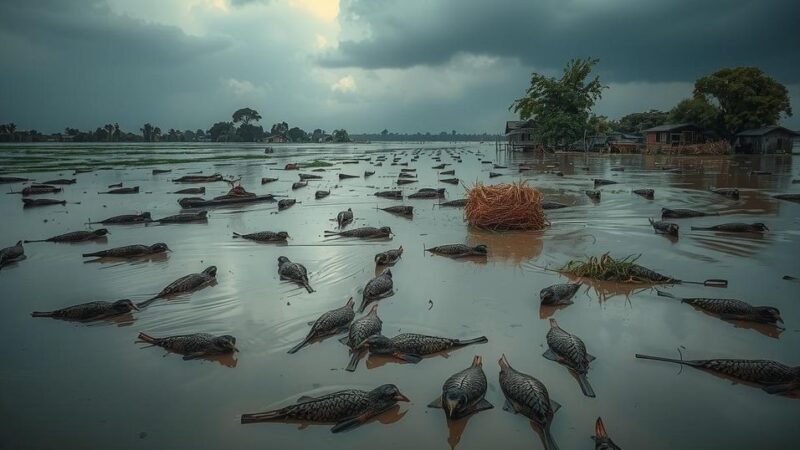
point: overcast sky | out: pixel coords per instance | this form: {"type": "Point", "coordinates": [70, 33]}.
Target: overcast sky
{"type": "Point", "coordinates": [366, 65]}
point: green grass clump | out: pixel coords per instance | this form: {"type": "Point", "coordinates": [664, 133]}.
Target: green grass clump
{"type": "Point", "coordinates": [607, 268]}
{"type": "Point", "coordinates": [315, 163]}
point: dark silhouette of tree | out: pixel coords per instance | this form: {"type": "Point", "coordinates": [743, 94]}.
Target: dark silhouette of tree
{"type": "Point", "coordinates": [296, 134]}
{"type": "Point", "coordinates": [245, 116]}
{"type": "Point", "coordinates": [279, 129]}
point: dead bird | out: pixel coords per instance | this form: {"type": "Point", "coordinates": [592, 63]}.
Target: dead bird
{"type": "Point", "coordinates": [397, 195]}
{"type": "Point", "coordinates": [299, 184]}
{"type": "Point", "coordinates": [601, 439]}
{"type": "Point", "coordinates": [553, 205]}
{"type": "Point", "coordinates": [90, 311]}
{"type": "Point", "coordinates": [160, 171]}
{"type": "Point", "coordinates": [39, 189]}
{"type": "Point", "coordinates": [646, 193]}
{"type": "Point", "coordinates": [774, 377]}
{"type": "Point", "coordinates": [197, 190]}
{"type": "Point", "coordinates": [196, 345]}
{"type": "Point", "coordinates": [126, 219]}
{"type": "Point", "coordinates": [264, 236]}
{"type": "Point", "coordinates": [186, 283]}
{"type": "Point", "coordinates": [266, 180]}
{"type": "Point", "coordinates": [377, 288]}
{"type": "Point", "coordinates": [368, 173]}
{"type": "Point", "coordinates": [736, 227]}
{"type": "Point", "coordinates": [286, 203]}
{"type": "Point", "coordinates": [127, 190]}
{"type": "Point", "coordinates": [363, 233]}
{"type": "Point", "coordinates": [411, 347]}
{"type": "Point", "coordinates": [198, 178]}
{"type": "Point", "coordinates": [389, 257]}
{"type": "Point", "coordinates": [498, 166]}
{"type": "Point", "coordinates": [75, 236]}
{"type": "Point", "coordinates": [406, 181]}
{"type": "Point", "coordinates": [602, 182]}
{"type": "Point", "coordinates": [593, 194]}
{"type": "Point", "coordinates": [291, 166]}
{"type": "Point", "coordinates": [15, 252]}
{"type": "Point", "coordinates": [117, 185]}
{"type": "Point", "coordinates": [459, 250]}
{"type": "Point", "coordinates": [428, 193]}
{"type": "Point", "coordinates": [361, 329]}
{"type": "Point", "coordinates": [617, 169]}
{"type": "Point", "coordinates": [401, 210]}
{"type": "Point", "coordinates": [683, 213]}
{"type": "Point", "coordinates": [495, 174]}
{"type": "Point", "coordinates": [348, 409]}
{"type": "Point", "coordinates": [463, 393]}
{"type": "Point", "coordinates": [789, 197]}
{"type": "Point", "coordinates": [460, 203]}
{"type": "Point", "coordinates": [331, 322]}
{"type": "Point", "coordinates": [344, 218]}
{"type": "Point", "coordinates": [664, 227]}
{"type": "Point", "coordinates": [130, 251]}
{"type": "Point", "coordinates": [439, 167]}
{"type": "Point", "coordinates": [200, 216]}
{"type": "Point", "coordinates": [321, 194]}
{"type": "Point", "coordinates": [408, 170]}
{"type": "Point", "coordinates": [569, 350]}
{"type": "Point", "coordinates": [559, 294]}
{"type": "Point", "coordinates": [731, 309]}
{"type": "Point", "coordinates": [528, 396]}
{"type": "Point", "coordinates": [294, 272]}
{"type": "Point", "coordinates": [344, 176]}
{"type": "Point", "coordinates": [308, 176]}
{"type": "Point", "coordinates": [727, 192]}
{"type": "Point", "coordinates": [9, 180]}
{"type": "Point", "coordinates": [448, 172]}
{"type": "Point", "coordinates": [62, 181]}
{"type": "Point", "coordinates": [32, 202]}
{"type": "Point", "coordinates": [449, 180]}
{"type": "Point", "coordinates": [406, 175]}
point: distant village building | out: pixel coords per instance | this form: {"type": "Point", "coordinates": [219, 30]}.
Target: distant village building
{"type": "Point", "coordinates": [277, 139]}
{"type": "Point", "coordinates": [772, 139]}
{"type": "Point", "coordinates": [672, 135]}
{"type": "Point", "coordinates": [614, 142]}
{"type": "Point", "coordinates": [521, 134]}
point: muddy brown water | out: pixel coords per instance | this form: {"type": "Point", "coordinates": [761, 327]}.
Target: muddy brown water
{"type": "Point", "coordinates": [67, 385]}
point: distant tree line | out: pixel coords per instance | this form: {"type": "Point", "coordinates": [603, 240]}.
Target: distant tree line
{"type": "Point", "coordinates": [443, 136]}
{"type": "Point", "coordinates": [723, 103]}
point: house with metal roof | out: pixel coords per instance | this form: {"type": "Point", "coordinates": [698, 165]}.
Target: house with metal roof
{"type": "Point", "coordinates": [771, 139]}
{"type": "Point", "coordinates": [672, 135]}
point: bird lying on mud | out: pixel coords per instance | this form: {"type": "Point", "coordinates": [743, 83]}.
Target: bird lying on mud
{"type": "Point", "coordinates": [569, 350]}
{"type": "Point", "coordinates": [458, 250]}
{"type": "Point", "coordinates": [91, 311]}
{"type": "Point", "coordinates": [731, 309]}
{"type": "Point", "coordinates": [15, 253]}
{"type": "Point", "coordinates": [330, 322]}
{"type": "Point", "coordinates": [559, 294]}
{"type": "Point", "coordinates": [360, 329]}
{"type": "Point", "coordinates": [736, 227]}
{"type": "Point", "coordinates": [294, 272]}
{"type": "Point", "coordinates": [411, 347]}
{"type": "Point", "coordinates": [195, 345]}
{"type": "Point", "coordinates": [377, 288]}
{"type": "Point", "coordinates": [389, 257]}
{"type": "Point", "coordinates": [264, 236]}
{"type": "Point", "coordinates": [130, 251]}
{"type": "Point", "coordinates": [363, 233]}
{"type": "Point", "coordinates": [463, 392]}
{"type": "Point", "coordinates": [186, 283]}
{"type": "Point", "coordinates": [75, 236]}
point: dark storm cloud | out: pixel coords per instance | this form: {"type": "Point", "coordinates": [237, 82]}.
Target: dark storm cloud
{"type": "Point", "coordinates": [664, 40]}
{"type": "Point", "coordinates": [89, 32]}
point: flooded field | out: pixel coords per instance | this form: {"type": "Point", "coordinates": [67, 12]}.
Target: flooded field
{"type": "Point", "coordinates": [67, 385]}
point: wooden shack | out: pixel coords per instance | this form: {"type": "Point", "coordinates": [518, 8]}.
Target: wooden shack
{"type": "Point", "coordinates": [772, 139]}
{"type": "Point", "coordinates": [669, 136]}
{"type": "Point", "coordinates": [521, 134]}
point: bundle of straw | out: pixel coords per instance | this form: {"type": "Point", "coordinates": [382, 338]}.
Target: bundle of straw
{"type": "Point", "coordinates": [514, 206]}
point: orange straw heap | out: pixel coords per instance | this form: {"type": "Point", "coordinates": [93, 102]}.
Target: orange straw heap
{"type": "Point", "coordinates": [514, 206]}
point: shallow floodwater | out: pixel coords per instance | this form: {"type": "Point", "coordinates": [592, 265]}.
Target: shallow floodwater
{"type": "Point", "coordinates": [67, 385]}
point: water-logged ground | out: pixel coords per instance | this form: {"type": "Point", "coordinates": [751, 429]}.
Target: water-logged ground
{"type": "Point", "coordinates": [91, 386]}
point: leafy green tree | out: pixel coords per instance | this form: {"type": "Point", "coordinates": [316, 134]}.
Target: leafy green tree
{"type": "Point", "coordinates": [598, 125]}
{"type": "Point", "coordinates": [560, 106]}
{"type": "Point", "coordinates": [340, 136]}
{"type": "Point", "coordinates": [745, 97]}
{"type": "Point", "coordinates": [279, 129]}
{"type": "Point", "coordinates": [695, 110]}
{"type": "Point", "coordinates": [636, 122]}
{"type": "Point", "coordinates": [317, 135]}
{"type": "Point", "coordinates": [147, 132]}
{"type": "Point", "coordinates": [221, 131]}
{"type": "Point", "coordinates": [296, 134]}
{"type": "Point", "coordinates": [245, 116]}
{"type": "Point", "coordinates": [250, 133]}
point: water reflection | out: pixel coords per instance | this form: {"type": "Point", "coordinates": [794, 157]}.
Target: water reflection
{"type": "Point", "coordinates": [514, 247]}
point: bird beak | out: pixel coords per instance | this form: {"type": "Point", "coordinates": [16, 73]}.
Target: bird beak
{"type": "Point", "coordinates": [234, 348]}
{"type": "Point", "coordinates": [135, 307]}
{"type": "Point", "coordinates": [401, 398]}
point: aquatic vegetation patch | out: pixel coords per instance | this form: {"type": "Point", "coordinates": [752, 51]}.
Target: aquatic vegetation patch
{"type": "Point", "coordinates": [514, 206]}
{"type": "Point", "coordinates": [316, 163]}
{"type": "Point", "coordinates": [608, 268]}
